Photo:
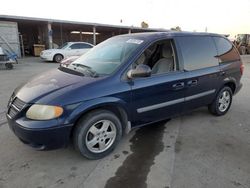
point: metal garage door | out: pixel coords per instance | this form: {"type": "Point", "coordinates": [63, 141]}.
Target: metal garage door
{"type": "Point", "coordinates": [9, 38]}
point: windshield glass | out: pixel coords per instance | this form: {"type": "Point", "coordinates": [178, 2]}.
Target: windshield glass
{"type": "Point", "coordinates": [65, 45]}
{"type": "Point", "coordinates": [106, 57]}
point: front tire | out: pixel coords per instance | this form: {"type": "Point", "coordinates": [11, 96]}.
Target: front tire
{"type": "Point", "coordinates": [97, 134]}
{"type": "Point", "coordinates": [222, 102]}
{"type": "Point", "coordinates": [58, 58]}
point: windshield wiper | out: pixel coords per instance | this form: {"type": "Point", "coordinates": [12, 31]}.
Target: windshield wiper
{"type": "Point", "coordinates": [87, 68]}
{"type": "Point", "coordinates": [71, 71]}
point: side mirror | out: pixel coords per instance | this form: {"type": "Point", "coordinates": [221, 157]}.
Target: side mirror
{"type": "Point", "coordinates": [140, 71]}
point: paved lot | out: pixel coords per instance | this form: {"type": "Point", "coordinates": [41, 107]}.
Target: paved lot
{"type": "Point", "coordinates": [192, 151]}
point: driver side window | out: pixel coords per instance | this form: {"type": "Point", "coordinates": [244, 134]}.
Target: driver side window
{"type": "Point", "coordinates": [160, 57]}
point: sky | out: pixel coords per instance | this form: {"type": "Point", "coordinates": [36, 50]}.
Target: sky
{"type": "Point", "coordinates": [218, 16]}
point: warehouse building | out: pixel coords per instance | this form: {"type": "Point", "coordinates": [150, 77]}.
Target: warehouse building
{"type": "Point", "coordinates": [24, 34]}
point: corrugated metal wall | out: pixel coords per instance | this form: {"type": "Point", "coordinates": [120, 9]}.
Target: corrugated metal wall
{"type": "Point", "coordinates": [9, 33]}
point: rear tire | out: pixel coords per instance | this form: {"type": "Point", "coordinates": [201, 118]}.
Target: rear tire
{"type": "Point", "coordinates": [222, 102]}
{"type": "Point", "coordinates": [97, 134]}
{"type": "Point", "coordinates": [58, 58]}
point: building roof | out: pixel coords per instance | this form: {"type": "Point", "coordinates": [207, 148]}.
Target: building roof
{"type": "Point", "coordinates": [20, 18]}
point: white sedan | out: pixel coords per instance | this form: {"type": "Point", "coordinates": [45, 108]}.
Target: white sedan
{"type": "Point", "coordinates": [66, 50]}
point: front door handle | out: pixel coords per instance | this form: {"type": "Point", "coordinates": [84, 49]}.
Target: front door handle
{"type": "Point", "coordinates": [179, 85]}
{"type": "Point", "coordinates": [192, 82]}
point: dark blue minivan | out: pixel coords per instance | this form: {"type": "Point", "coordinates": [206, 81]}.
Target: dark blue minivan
{"type": "Point", "coordinates": [125, 82]}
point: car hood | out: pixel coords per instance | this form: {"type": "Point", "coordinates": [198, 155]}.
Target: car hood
{"type": "Point", "coordinates": [51, 82]}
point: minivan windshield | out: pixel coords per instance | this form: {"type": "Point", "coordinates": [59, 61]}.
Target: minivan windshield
{"type": "Point", "coordinates": [106, 57]}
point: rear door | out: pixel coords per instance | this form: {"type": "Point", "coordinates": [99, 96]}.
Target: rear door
{"type": "Point", "coordinates": [72, 50]}
{"type": "Point", "coordinates": [202, 71]}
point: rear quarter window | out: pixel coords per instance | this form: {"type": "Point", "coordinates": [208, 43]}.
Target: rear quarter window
{"type": "Point", "coordinates": [226, 50]}
{"type": "Point", "coordinates": [198, 52]}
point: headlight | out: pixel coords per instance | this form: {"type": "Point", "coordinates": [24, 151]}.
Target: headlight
{"type": "Point", "coordinates": [44, 112]}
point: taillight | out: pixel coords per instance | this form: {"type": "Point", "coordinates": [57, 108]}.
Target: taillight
{"type": "Point", "coordinates": [241, 68]}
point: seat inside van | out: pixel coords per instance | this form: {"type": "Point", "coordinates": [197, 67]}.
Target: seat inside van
{"type": "Point", "coordinates": [165, 62]}
{"type": "Point", "coordinates": [159, 57]}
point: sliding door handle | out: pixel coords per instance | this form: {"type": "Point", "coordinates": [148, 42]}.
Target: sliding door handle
{"type": "Point", "coordinates": [179, 85]}
{"type": "Point", "coordinates": [192, 82]}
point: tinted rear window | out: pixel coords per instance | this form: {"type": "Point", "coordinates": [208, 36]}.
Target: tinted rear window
{"type": "Point", "coordinates": [198, 52]}
{"type": "Point", "coordinates": [226, 51]}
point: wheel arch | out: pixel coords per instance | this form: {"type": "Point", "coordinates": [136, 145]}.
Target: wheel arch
{"type": "Point", "coordinates": [58, 53]}
{"type": "Point", "coordinates": [232, 85]}
{"type": "Point", "coordinates": [230, 82]}
{"type": "Point", "coordinates": [116, 108]}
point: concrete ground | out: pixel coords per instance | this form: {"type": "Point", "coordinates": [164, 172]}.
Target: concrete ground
{"type": "Point", "coordinates": [196, 150]}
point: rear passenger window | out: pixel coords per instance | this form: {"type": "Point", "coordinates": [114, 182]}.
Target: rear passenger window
{"type": "Point", "coordinates": [80, 46]}
{"type": "Point", "coordinates": [198, 52]}
{"type": "Point", "coordinates": [83, 46]}
{"type": "Point", "coordinates": [226, 51]}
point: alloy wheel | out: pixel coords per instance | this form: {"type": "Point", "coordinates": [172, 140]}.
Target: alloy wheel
{"type": "Point", "coordinates": [100, 136]}
{"type": "Point", "coordinates": [224, 101]}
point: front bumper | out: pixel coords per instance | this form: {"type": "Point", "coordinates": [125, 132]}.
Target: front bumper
{"type": "Point", "coordinates": [46, 57]}
{"type": "Point", "coordinates": [52, 137]}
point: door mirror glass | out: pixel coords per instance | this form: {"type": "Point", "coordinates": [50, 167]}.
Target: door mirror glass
{"type": "Point", "coordinates": [140, 71]}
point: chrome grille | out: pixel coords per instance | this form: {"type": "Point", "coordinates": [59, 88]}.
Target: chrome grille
{"type": "Point", "coordinates": [11, 99]}
{"type": "Point", "coordinates": [19, 104]}
{"type": "Point", "coordinates": [12, 112]}
{"type": "Point", "coordinates": [15, 106]}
